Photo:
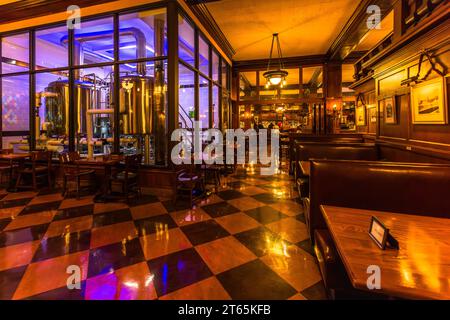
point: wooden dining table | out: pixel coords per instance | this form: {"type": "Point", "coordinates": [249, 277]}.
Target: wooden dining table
{"type": "Point", "coordinates": [106, 164]}
{"type": "Point", "coordinates": [305, 167]}
{"type": "Point", "coordinates": [419, 269]}
{"type": "Point", "coordinates": [13, 157]}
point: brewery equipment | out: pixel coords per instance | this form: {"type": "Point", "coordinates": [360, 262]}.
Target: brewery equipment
{"type": "Point", "coordinates": [86, 96]}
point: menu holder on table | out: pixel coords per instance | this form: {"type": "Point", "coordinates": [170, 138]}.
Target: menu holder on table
{"type": "Point", "coordinates": [381, 235]}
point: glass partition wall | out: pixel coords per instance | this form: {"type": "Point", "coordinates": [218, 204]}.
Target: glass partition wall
{"type": "Point", "coordinates": [206, 75]}
{"type": "Point", "coordinates": [103, 88]}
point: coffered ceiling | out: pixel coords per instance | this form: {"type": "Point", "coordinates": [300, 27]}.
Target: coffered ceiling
{"type": "Point", "coordinates": [305, 27]}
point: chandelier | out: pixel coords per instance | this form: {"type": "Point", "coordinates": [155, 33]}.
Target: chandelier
{"type": "Point", "coordinates": [275, 77]}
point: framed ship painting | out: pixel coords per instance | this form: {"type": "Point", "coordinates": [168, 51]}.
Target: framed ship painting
{"type": "Point", "coordinates": [390, 110]}
{"type": "Point", "coordinates": [428, 102]}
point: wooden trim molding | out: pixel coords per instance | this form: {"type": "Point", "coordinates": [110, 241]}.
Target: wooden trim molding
{"type": "Point", "coordinates": [355, 28]}
{"type": "Point", "coordinates": [436, 153]}
{"type": "Point", "coordinates": [22, 10]}
{"type": "Point", "coordinates": [439, 15]}
{"type": "Point", "coordinates": [202, 13]}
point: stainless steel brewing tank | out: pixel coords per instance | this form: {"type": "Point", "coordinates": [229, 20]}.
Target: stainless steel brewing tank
{"type": "Point", "coordinates": [86, 97]}
{"type": "Point", "coordinates": [136, 104]}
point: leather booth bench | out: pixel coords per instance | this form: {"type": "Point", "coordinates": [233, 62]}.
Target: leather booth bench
{"type": "Point", "coordinates": [410, 188]}
{"type": "Point", "coordinates": [296, 138]}
{"type": "Point", "coordinates": [347, 151]}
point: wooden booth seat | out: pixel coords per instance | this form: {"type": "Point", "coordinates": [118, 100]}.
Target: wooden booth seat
{"type": "Point", "coordinates": [296, 138]}
{"type": "Point", "coordinates": [338, 151]}
{"type": "Point", "coordinates": [410, 188]}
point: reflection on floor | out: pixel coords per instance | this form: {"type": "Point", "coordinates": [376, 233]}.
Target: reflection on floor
{"type": "Point", "coordinates": [248, 241]}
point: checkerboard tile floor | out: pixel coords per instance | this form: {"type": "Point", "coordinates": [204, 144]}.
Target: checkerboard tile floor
{"type": "Point", "coordinates": [247, 241]}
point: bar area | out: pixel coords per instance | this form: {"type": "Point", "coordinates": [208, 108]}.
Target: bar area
{"type": "Point", "coordinates": [225, 150]}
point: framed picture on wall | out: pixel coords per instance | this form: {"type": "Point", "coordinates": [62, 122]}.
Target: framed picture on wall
{"type": "Point", "coordinates": [361, 115]}
{"type": "Point", "coordinates": [390, 110]}
{"type": "Point", "coordinates": [428, 102]}
{"type": "Point", "coordinates": [373, 115]}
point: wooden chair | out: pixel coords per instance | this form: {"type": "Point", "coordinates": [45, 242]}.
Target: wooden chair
{"type": "Point", "coordinates": [39, 167]}
{"type": "Point", "coordinates": [72, 172]}
{"type": "Point", "coordinates": [128, 178]}
{"type": "Point", "coordinates": [6, 167]}
{"type": "Point", "coordinates": [187, 181]}
{"type": "Point", "coordinates": [212, 175]}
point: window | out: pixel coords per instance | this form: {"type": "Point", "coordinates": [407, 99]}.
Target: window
{"type": "Point", "coordinates": [203, 51]}
{"type": "Point", "coordinates": [15, 111]}
{"type": "Point", "coordinates": [15, 50]}
{"type": "Point", "coordinates": [215, 66]}
{"type": "Point", "coordinates": [312, 82]}
{"type": "Point", "coordinates": [15, 103]}
{"type": "Point", "coordinates": [52, 48]}
{"type": "Point", "coordinates": [53, 110]}
{"type": "Point", "coordinates": [143, 107]}
{"type": "Point", "coordinates": [94, 130]}
{"type": "Point", "coordinates": [224, 66]}
{"type": "Point", "coordinates": [94, 42]}
{"type": "Point", "coordinates": [291, 88]}
{"type": "Point", "coordinates": [215, 107]}
{"type": "Point", "coordinates": [143, 35]}
{"type": "Point", "coordinates": [186, 41]}
{"type": "Point", "coordinates": [247, 86]}
{"type": "Point", "coordinates": [204, 103]}
{"type": "Point", "coordinates": [186, 97]}
{"type": "Point", "coordinates": [225, 110]}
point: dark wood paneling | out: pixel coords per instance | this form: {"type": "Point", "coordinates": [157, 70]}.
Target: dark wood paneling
{"type": "Point", "coordinates": [333, 80]}
{"type": "Point", "coordinates": [356, 28]}
{"type": "Point", "coordinates": [400, 129]}
{"type": "Point", "coordinates": [433, 133]}
{"type": "Point", "coordinates": [289, 62]}
{"type": "Point", "coordinates": [399, 153]}
{"type": "Point", "coordinates": [405, 141]}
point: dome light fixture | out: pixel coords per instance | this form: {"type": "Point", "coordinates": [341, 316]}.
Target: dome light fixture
{"type": "Point", "coordinates": [275, 77]}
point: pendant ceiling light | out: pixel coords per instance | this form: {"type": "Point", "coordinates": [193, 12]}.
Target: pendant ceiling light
{"type": "Point", "coordinates": [275, 77]}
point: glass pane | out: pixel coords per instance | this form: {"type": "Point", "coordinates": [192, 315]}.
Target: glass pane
{"type": "Point", "coordinates": [94, 130]}
{"type": "Point", "coordinates": [143, 35]}
{"type": "Point", "coordinates": [203, 49]}
{"type": "Point", "coordinates": [312, 82]}
{"type": "Point", "coordinates": [268, 94]}
{"type": "Point", "coordinates": [215, 107]}
{"type": "Point", "coordinates": [290, 88]}
{"type": "Point", "coordinates": [52, 122]}
{"type": "Point", "coordinates": [186, 41]}
{"type": "Point", "coordinates": [204, 103]}
{"type": "Point", "coordinates": [52, 48]}
{"type": "Point", "coordinates": [94, 42]}
{"type": "Point", "coordinates": [247, 87]}
{"type": "Point", "coordinates": [143, 109]}
{"type": "Point", "coordinates": [15, 50]}
{"type": "Point", "coordinates": [348, 116]}
{"type": "Point", "coordinates": [225, 111]}
{"type": "Point", "coordinates": [224, 74]}
{"type": "Point", "coordinates": [15, 103]}
{"type": "Point", "coordinates": [186, 96]}
{"type": "Point", "coordinates": [215, 66]}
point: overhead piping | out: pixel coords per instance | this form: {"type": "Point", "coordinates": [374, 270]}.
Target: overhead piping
{"type": "Point", "coordinates": [84, 37]}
